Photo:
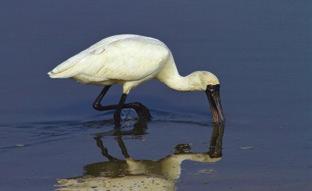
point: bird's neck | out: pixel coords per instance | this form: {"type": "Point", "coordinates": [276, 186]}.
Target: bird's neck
{"type": "Point", "coordinates": [178, 82]}
{"type": "Point", "coordinates": [171, 77]}
{"type": "Point", "coordinates": [181, 83]}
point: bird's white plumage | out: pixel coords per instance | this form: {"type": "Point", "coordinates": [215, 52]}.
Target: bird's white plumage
{"type": "Point", "coordinates": [141, 175]}
{"type": "Point", "coordinates": [130, 60]}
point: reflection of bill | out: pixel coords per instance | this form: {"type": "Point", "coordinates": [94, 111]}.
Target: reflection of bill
{"type": "Point", "coordinates": [139, 175]}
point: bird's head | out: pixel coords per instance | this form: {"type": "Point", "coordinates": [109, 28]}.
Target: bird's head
{"type": "Point", "coordinates": [208, 82]}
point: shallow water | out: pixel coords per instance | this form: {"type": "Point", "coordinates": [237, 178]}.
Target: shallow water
{"type": "Point", "coordinates": [36, 155]}
{"type": "Point", "coordinates": [260, 50]}
{"type": "Point", "coordinates": [41, 153]}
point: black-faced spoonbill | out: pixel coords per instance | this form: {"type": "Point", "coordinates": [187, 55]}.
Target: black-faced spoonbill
{"type": "Point", "coordinates": [130, 60]}
{"type": "Point", "coordinates": [129, 173]}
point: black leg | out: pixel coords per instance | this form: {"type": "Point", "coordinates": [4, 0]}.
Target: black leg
{"type": "Point", "coordinates": [97, 102]}
{"type": "Point", "coordinates": [139, 108]}
{"type": "Point", "coordinates": [117, 113]}
{"type": "Point", "coordinates": [123, 147]}
{"type": "Point", "coordinates": [104, 150]}
{"type": "Point", "coordinates": [140, 126]}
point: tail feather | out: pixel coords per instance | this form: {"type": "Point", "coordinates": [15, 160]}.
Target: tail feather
{"type": "Point", "coordinates": [64, 70]}
{"type": "Point", "coordinates": [60, 75]}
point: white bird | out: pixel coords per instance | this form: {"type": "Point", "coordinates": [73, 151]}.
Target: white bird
{"type": "Point", "coordinates": [140, 175]}
{"type": "Point", "coordinates": [130, 60]}
{"type": "Point", "coordinates": [131, 174]}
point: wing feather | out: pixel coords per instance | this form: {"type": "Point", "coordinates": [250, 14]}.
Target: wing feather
{"type": "Point", "coordinates": [127, 58]}
{"type": "Point", "coordinates": [132, 60]}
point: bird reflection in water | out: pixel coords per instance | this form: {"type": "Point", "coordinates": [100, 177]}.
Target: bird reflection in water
{"type": "Point", "coordinates": [129, 174]}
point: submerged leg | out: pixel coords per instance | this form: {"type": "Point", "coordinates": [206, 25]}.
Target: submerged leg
{"type": "Point", "coordinates": [104, 150]}
{"type": "Point", "coordinates": [139, 108]}
{"type": "Point", "coordinates": [117, 113]}
{"type": "Point", "coordinates": [122, 147]}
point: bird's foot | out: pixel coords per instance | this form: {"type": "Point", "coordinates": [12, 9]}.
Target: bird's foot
{"type": "Point", "coordinates": [141, 110]}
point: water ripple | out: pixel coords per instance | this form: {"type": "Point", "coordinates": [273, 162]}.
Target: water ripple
{"type": "Point", "coordinates": [15, 136]}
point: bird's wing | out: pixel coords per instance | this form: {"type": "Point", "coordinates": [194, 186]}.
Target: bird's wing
{"type": "Point", "coordinates": [78, 62]}
{"type": "Point", "coordinates": [129, 60]}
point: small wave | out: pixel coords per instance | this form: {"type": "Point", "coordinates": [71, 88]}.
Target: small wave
{"type": "Point", "coordinates": [33, 133]}
{"type": "Point", "coordinates": [178, 117]}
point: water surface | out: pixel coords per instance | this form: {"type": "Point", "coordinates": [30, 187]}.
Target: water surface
{"type": "Point", "coordinates": [261, 51]}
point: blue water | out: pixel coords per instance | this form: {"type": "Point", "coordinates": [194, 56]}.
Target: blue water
{"type": "Point", "coordinates": [260, 50]}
